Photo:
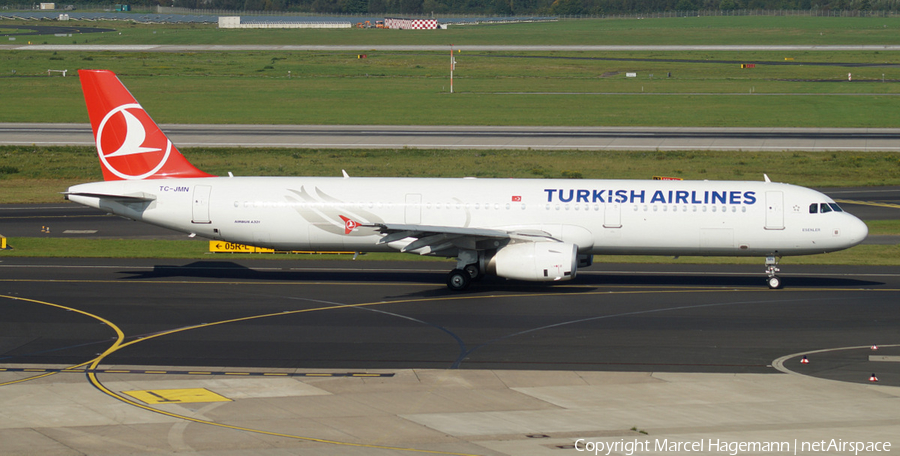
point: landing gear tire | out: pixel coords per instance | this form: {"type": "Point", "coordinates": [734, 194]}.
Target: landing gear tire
{"type": "Point", "coordinates": [473, 271]}
{"type": "Point", "coordinates": [458, 280]}
{"type": "Point", "coordinates": [774, 282]}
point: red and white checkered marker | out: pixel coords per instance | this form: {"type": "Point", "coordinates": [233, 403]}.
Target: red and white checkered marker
{"type": "Point", "coordinates": [411, 24]}
{"type": "Point", "coordinates": [873, 378]}
{"type": "Point", "coordinates": [805, 360]}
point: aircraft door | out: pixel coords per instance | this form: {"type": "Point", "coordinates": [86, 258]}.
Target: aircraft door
{"type": "Point", "coordinates": [413, 208]}
{"type": "Point", "coordinates": [200, 207]}
{"type": "Point", "coordinates": [612, 215]}
{"type": "Point", "coordinates": [774, 210]}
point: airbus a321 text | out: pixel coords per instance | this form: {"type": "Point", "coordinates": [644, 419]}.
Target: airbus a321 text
{"type": "Point", "coordinates": [525, 229]}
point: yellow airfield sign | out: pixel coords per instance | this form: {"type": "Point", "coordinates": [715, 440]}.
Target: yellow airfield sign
{"type": "Point", "coordinates": [231, 247]}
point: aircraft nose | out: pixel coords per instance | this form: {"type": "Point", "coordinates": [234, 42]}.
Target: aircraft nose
{"type": "Point", "coordinates": [856, 231]}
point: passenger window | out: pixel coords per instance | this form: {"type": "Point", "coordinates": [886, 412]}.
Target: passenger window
{"type": "Point", "coordinates": [813, 208]}
{"type": "Point", "coordinates": [825, 208]}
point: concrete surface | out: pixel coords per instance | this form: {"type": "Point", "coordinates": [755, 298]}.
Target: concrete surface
{"type": "Point", "coordinates": [479, 412]}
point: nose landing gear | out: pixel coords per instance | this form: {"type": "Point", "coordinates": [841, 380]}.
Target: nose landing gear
{"type": "Point", "coordinates": [771, 268]}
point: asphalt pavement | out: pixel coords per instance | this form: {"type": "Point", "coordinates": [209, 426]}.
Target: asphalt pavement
{"type": "Point", "coordinates": [481, 137]}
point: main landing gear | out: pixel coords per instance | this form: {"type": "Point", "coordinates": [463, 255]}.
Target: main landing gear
{"type": "Point", "coordinates": [459, 279]}
{"type": "Point", "coordinates": [469, 268]}
{"type": "Point", "coordinates": [771, 268]}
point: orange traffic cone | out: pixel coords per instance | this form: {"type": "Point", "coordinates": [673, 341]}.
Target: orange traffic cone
{"type": "Point", "coordinates": [873, 378]}
{"type": "Point", "coordinates": [805, 360]}
{"type": "Point", "coordinates": [874, 347]}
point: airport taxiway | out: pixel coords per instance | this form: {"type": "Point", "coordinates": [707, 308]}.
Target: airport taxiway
{"type": "Point", "coordinates": [370, 314]}
{"type": "Point", "coordinates": [278, 357]}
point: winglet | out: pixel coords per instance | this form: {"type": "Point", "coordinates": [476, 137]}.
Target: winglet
{"type": "Point", "coordinates": [129, 143]}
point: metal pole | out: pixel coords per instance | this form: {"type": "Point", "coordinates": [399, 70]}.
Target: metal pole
{"type": "Point", "coordinates": [451, 68]}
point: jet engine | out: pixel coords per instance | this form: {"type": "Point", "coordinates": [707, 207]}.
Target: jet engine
{"type": "Point", "coordinates": [535, 261]}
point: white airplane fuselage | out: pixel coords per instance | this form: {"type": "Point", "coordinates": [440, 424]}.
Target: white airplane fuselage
{"type": "Point", "coordinates": [721, 218]}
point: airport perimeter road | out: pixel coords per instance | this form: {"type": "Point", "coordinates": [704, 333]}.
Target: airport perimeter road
{"type": "Point", "coordinates": [476, 137]}
{"type": "Point", "coordinates": [321, 358]}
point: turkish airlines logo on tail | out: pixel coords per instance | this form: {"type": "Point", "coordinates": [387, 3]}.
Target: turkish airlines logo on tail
{"type": "Point", "coordinates": [124, 146]}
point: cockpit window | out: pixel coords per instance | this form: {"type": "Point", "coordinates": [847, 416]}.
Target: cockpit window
{"type": "Point", "coordinates": [821, 208]}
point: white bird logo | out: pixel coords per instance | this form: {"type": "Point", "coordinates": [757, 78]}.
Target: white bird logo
{"type": "Point", "coordinates": [135, 135]}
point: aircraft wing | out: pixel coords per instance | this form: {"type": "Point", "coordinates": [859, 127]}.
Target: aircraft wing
{"type": "Point", "coordinates": [430, 239]}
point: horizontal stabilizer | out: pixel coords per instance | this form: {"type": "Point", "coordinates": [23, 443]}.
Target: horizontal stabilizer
{"type": "Point", "coordinates": [133, 198]}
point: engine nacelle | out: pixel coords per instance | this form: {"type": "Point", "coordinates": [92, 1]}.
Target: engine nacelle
{"type": "Point", "coordinates": [535, 261]}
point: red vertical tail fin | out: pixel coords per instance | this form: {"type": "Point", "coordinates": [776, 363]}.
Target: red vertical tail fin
{"type": "Point", "coordinates": [129, 143]}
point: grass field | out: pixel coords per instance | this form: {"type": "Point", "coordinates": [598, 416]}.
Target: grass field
{"type": "Point", "coordinates": [491, 89]}
{"type": "Point", "coordinates": [523, 88]}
